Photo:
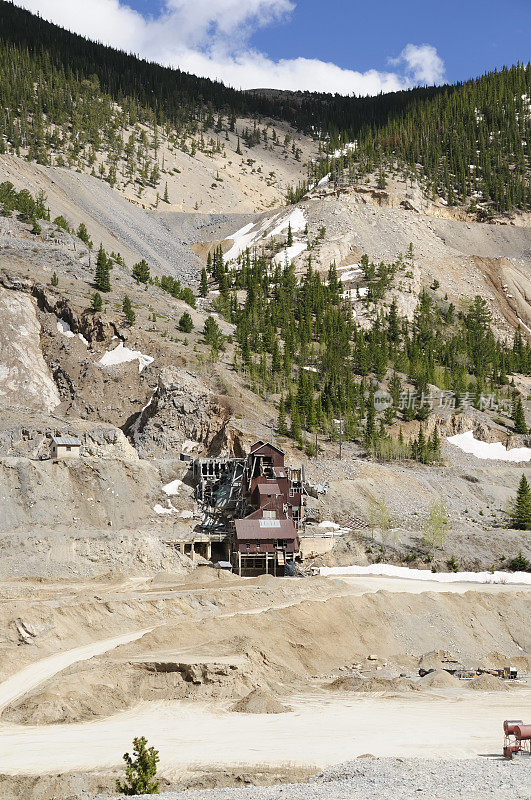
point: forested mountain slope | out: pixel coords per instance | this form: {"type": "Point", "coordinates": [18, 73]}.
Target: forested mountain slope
{"type": "Point", "coordinates": [64, 99]}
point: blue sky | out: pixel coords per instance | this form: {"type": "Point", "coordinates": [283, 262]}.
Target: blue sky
{"type": "Point", "coordinates": [340, 45]}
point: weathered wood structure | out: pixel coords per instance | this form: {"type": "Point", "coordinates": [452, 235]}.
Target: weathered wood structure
{"type": "Point", "coordinates": [254, 508]}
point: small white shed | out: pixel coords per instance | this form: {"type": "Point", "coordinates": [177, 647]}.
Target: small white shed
{"type": "Point", "coordinates": [66, 447]}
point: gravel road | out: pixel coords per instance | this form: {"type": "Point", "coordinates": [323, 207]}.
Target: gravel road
{"type": "Point", "coordinates": [393, 779]}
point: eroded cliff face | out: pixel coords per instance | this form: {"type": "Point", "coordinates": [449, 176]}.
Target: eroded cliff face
{"type": "Point", "coordinates": [25, 379]}
{"type": "Point", "coordinates": [182, 411]}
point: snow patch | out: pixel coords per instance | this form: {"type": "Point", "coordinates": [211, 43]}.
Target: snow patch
{"type": "Point", "coordinates": [296, 219]}
{"type": "Point", "coordinates": [251, 233]}
{"type": "Point", "coordinates": [289, 253]}
{"type": "Point", "coordinates": [122, 355]}
{"type": "Point", "coordinates": [350, 274]}
{"type": "Point", "coordinates": [391, 571]}
{"type": "Point", "coordinates": [489, 450]}
{"type": "Point", "coordinates": [172, 488]}
{"type": "Point", "coordinates": [242, 239]}
{"type": "Point", "coordinates": [158, 509]}
{"type": "Point", "coordinates": [64, 328]}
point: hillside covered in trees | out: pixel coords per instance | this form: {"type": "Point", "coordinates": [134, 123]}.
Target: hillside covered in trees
{"type": "Point", "coordinates": [300, 342]}
{"type": "Point", "coordinates": [63, 98]}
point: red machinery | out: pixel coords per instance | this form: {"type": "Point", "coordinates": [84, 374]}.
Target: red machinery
{"type": "Point", "coordinates": [517, 738]}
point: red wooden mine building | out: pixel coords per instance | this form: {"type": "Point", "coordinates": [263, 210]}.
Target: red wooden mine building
{"type": "Point", "coordinates": [266, 540]}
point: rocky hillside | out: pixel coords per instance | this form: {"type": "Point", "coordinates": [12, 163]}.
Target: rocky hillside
{"type": "Point", "coordinates": [139, 395]}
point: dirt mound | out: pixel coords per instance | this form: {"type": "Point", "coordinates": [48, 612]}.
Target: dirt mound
{"type": "Point", "coordinates": [440, 679]}
{"type": "Point", "coordinates": [487, 683]}
{"type": "Point", "coordinates": [259, 702]}
{"type": "Point", "coordinates": [357, 683]}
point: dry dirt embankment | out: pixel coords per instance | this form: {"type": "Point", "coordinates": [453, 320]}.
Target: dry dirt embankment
{"type": "Point", "coordinates": [214, 639]}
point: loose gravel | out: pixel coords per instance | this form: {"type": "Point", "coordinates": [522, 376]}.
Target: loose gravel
{"type": "Point", "coordinates": [393, 779]}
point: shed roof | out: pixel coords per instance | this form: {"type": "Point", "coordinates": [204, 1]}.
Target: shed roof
{"type": "Point", "coordinates": [260, 445]}
{"type": "Point", "coordinates": [66, 441]}
{"type": "Point", "coordinates": [269, 489]}
{"type": "Point", "coordinates": [265, 529]}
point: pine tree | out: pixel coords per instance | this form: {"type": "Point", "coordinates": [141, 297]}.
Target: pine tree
{"type": "Point", "coordinates": [97, 302]}
{"type": "Point", "coordinates": [102, 277]}
{"type": "Point", "coordinates": [127, 309]}
{"type": "Point", "coordinates": [434, 446]}
{"type": "Point", "coordinates": [370, 428]}
{"type": "Point", "coordinates": [296, 430]}
{"type": "Point", "coordinates": [140, 770]}
{"type": "Point", "coordinates": [289, 241]}
{"type": "Point", "coordinates": [521, 517]}
{"type": "Point", "coordinates": [166, 197]}
{"type": "Point", "coordinates": [82, 234]}
{"type": "Point", "coordinates": [518, 416]}
{"type": "Point", "coordinates": [54, 280]}
{"type": "Point", "coordinates": [186, 324]}
{"type": "Point", "coordinates": [141, 272]}
{"type": "Point", "coordinates": [203, 286]}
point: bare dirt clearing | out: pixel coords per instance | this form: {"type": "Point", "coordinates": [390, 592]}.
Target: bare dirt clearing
{"type": "Point", "coordinates": [214, 638]}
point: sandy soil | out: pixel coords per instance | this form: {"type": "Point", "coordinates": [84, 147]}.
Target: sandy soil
{"type": "Point", "coordinates": [324, 727]}
{"type": "Point", "coordinates": [30, 677]}
{"type": "Point", "coordinates": [321, 731]}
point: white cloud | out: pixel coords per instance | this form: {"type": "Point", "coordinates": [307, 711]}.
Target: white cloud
{"type": "Point", "coordinates": [211, 38]}
{"type": "Point", "coordinates": [422, 62]}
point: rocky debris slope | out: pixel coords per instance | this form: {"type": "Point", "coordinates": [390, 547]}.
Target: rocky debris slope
{"type": "Point", "coordinates": [465, 257]}
{"type": "Point", "coordinates": [212, 647]}
{"type": "Point", "coordinates": [29, 435]}
{"type": "Point", "coordinates": [182, 410]}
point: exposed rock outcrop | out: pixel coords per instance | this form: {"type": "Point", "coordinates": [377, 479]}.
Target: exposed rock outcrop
{"type": "Point", "coordinates": [182, 410]}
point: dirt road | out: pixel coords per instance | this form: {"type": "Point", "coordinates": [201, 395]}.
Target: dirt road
{"type": "Point", "coordinates": [322, 729]}
{"type": "Point", "coordinates": [30, 677]}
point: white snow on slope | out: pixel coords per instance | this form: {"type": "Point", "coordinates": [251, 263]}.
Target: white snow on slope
{"type": "Point", "coordinates": [158, 509]}
{"type": "Point", "coordinates": [344, 151]}
{"type": "Point", "coordinates": [390, 570]}
{"type": "Point", "coordinates": [252, 233]}
{"type": "Point", "coordinates": [350, 274]}
{"type": "Point", "coordinates": [64, 328]}
{"type": "Point", "coordinates": [241, 240]}
{"type": "Point", "coordinates": [489, 450]}
{"type": "Point", "coordinates": [296, 219]}
{"type": "Point", "coordinates": [324, 180]}
{"type": "Point", "coordinates": [121, 355]}
{"type": "Point", "coordinates": [172, 488]}
{"type": "Point", "coordinates": [289, 253]}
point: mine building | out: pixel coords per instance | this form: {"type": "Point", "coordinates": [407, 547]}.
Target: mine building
{"type": "Point", "coordinates": [65, 447]}
{"type": "Point", "coordinates": [253, 508]}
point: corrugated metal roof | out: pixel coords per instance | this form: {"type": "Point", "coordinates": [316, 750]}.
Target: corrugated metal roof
{"type": "Point", "coordinates": [248, 529]}
{"type": "Point", "coordinates": [66, 441]}
{"type": "Point", "coordinates": [269, 488]}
